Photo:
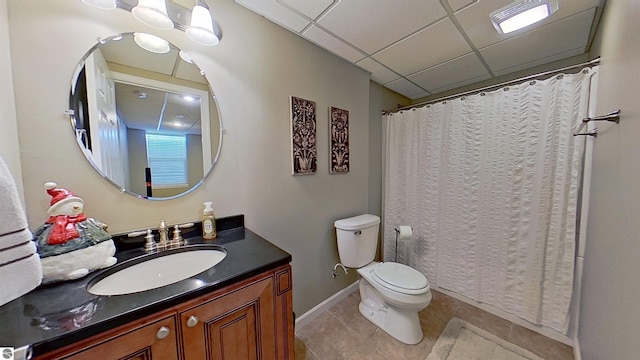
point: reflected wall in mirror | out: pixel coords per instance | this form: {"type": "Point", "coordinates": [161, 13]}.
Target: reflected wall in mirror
{"type": "Point", "coordinates": [148, 122]}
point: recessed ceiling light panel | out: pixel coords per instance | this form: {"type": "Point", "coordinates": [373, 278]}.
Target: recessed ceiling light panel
{"type": "Point", "coordinates": [522, 13]}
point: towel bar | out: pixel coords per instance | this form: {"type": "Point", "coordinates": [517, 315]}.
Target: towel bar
{"type": "Point", "coordinates": [613, 116]}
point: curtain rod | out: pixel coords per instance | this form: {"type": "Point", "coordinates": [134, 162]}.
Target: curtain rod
{"type": "Point", "coordinates": [590, 63]}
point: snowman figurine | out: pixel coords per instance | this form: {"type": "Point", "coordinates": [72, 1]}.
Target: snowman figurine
{"type": "Point", "coordinates": [71, 245]}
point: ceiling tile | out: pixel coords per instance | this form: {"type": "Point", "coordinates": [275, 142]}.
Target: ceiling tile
{"type": "Point", "coordinates": [379, 73]}
{"type": "Point", "coordinates": [276, 13]}
{"type": "Point", "coordinates": [458, 72]}
{"type": "Point", "coordinates": [406, 88]}
{"type": "Point", "coordinates": [311, 9]}
{"type": "Point", "coordinates": [561, 36]}
{"type": "Point", "coordinates": [336, 46]}
{"type": "Point", "coordinates": [420, 95]}
{"type": "Point", "coordinates": [459, 4]}
{"type": "Point", "coordinates": [431, 46]}
{"type": "Point", "coordinates": [476, 24]}
{"type": "Point", "coordinates": [372, 25]}
{"type": "Point", "coordinates": [542, 61]}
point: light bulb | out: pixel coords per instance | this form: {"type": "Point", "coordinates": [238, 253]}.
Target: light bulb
{"type": "Point", "coordinates": [153, 13]}
{"type": "Point", "coordinates": [201, 28]}
{"type": "Point", "coordinates": [151, 43]}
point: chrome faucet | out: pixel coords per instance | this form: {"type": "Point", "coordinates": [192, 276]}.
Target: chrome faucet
{"type": "Point", "coordinates": [151, 245]}
{"type": "Point", "coordinates": [163, 231]}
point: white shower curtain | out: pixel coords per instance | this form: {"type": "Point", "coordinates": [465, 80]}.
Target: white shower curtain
{"type": "Point", "coordinates": [490, 185]}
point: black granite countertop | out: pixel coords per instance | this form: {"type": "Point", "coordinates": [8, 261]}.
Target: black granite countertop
{"type": "Point", "coordinates": [56, 315]}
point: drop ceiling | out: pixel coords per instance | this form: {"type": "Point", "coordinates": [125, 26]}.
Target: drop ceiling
{"type": "Point", "coordinates": [422, 47]}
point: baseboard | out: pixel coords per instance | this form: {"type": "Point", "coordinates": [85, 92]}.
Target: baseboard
{"type": "Point", "coordinates": [577, 353]}
{"type": "Point", "coordinates": [548, 332]}
{"type": "Point", "coordinates": [311, 314]}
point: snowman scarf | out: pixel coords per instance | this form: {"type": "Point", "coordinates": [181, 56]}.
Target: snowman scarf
{"type": "Point", "coordinates": [64, 228]}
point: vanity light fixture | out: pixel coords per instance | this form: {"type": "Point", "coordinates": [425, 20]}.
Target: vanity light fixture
{"type": "Point", "coordinates": [200, 30]}
{"type": "Point", "coordinates": [153, 13]}
{"type": "Point", "coordinates": [151, 43]}
{"type": "Point", "coordinates": [522, 13]}
{"type": "Point", "coordinates": [101, 4]}
{"type": "Point", "coordinates": [199, 25]}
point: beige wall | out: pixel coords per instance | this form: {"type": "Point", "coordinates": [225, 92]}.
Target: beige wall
{"type": "Point", "coordinates": [9, 147]}
{"type": "Point", "coordinates": [610, 314]}
{"type": "Point", "coordinates": [253, 71]}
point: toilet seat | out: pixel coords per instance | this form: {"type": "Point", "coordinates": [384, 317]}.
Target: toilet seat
{"type": "Point", "coordinates": [401, 278]}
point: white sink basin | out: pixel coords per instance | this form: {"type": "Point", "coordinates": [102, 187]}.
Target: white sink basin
{"type": "Point", "coordinates": [160, 269]}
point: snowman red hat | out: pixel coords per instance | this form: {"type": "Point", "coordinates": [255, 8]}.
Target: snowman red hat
{"type": "Point", "coordinates": [59, 197]}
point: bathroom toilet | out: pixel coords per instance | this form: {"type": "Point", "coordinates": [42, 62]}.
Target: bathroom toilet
{"type": "Point", "coordinates": [391, 293]}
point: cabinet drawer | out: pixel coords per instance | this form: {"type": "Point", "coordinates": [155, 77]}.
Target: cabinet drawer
{"type": "Point", "coordinates": [156, 340]}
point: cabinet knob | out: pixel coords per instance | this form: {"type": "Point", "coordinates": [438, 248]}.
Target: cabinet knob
{"type": "Point", "coordinates": [162, 333]}
{"type": "Point", "coordinates": [192, 321]}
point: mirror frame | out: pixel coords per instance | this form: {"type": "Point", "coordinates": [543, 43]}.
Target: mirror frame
{"type": "Point", "coordinates": [72, 112]}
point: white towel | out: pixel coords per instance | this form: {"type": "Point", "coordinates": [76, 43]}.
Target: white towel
{"type": "Point", "coordinates": [20, 277]}
{"type": "Point", "coordinates": [20, 266]}
{"type": "Point", "coordinates": [14, 239]}
{"type": "Point", "coordinates": [12, 216]}
{"type": "Point", "coordinates": [17, 252]}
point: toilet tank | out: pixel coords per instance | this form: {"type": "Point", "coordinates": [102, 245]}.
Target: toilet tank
{"type": "Point", "coordinates": [357, 239]}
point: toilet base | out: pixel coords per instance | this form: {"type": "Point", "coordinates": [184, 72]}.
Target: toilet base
{"type": "Point", "coordinates": [402, 324]}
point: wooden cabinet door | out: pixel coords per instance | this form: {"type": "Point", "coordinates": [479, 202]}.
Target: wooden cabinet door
{"type": "Point", "coordinates": [237, 325]}
{"type": "Point", "coordinates": [156, 340]}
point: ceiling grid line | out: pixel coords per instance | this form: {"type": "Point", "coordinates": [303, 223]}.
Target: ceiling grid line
{"type": "Point", "coordinates": [454, 20]}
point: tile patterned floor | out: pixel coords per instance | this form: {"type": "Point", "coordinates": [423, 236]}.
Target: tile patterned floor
{"type": "Point", "coordinates": [343, 333]}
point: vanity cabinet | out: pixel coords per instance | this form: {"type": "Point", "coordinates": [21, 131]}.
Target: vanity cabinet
{"type": "Point", "coordinates": [252, 319]}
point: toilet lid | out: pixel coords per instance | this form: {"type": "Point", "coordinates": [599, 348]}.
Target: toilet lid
{"type": "Point", "coordinates": [400, 276]}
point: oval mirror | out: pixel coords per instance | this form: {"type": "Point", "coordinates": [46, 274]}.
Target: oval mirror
{"type": "Point", "coordinates": [145, 116]}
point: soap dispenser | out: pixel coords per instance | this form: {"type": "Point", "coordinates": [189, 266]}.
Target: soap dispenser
{"type": "Point", "coordinates": [208, 222]}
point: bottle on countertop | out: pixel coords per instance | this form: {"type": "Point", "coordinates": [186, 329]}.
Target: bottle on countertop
{"type": "Point", "coordinates": [208, 222]}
